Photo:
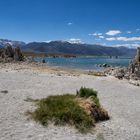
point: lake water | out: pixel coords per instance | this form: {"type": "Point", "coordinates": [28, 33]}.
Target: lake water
{"type": "Point", "coordinates": [85, 63]}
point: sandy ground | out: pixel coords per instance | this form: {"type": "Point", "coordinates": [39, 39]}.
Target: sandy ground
{"type": "Point", "coordinates": [118, 97]}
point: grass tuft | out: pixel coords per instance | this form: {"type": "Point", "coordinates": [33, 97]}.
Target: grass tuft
{"type": "Point", "coordinates": [62, 110]}
{"type": "Point", "coordinates": [73, 110]}
{"type": "Point", "coordinates": [89, 93]}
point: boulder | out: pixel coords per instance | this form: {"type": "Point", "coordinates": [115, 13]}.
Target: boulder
{"type": "Point", "coordinates": [43, 61]}
{"type": "Point", "coordinates": [118, 72]}
{"type": "Point", "coordinates": [106, 65]}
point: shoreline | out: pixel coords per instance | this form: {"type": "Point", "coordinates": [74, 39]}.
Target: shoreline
{"type": "Point", "coordinates": [40, 67]}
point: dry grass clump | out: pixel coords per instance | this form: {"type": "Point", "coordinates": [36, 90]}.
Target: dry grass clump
{"type": "Point", "coordinates": [81, 110]}
{"type": "Point", "coordinates": [94, 73]}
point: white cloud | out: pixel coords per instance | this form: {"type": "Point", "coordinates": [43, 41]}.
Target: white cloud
{"type": "Point", "coordinates": [123, 39]}
{"type": "Point", "coordinates": [111, 39]}
{"type": "Point", "coordinates": [95, 34]}
{"type": "Point", "coordinates": [128, 45]}
{"type": "Point", "coordinates": [102, 44]}
{"type": "Point", "coordinates": [99, 34]}
{"type": "Point", "coordinates": [128, 38]}
{"type": "Point", "coordinates": [128, 32]}
{"type": "Point", "coordinates": [135, 45]}
{"type": "Point", "coordinates": [69, 23]}
{"type": "Point", "coordinates": [113, 32]}
{"type": "Point", "coordinates": [137, 29]}
{"type": "Point", "coordinates": [101, 37]}
{"type": "Point", "coordinates": [75, 41]}
{"type": "Point", "coordinates": [48, 41]}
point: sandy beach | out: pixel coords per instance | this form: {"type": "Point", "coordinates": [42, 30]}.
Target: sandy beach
{"type": "Point", "coordinates": [22, 81]}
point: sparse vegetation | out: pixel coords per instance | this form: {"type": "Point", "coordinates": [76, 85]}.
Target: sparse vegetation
{"type": "Point", "coordinates": [66, 109]}
{"type": "Point", "coordinates": [99, 74]}
{"type": "Point", "coordinates": [87, 92]}
{"type": "Point", "coordinates": [28, 99]}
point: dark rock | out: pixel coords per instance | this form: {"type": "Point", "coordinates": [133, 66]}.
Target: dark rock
{"type": "Point", "coordinates": [10, 54]}
{"type": "Point", "coordinates": [127, 76]}
{"type": "Point", "coordinates": [43, 61]}
{"type": "Point", "coordinates": [120, 74]}
{"type": "Point", "coordinates": [18, 56]}
{"type": "Point", "coordinates": [4, 91]}
{"type": "Point", "coordinates": [104, 65]}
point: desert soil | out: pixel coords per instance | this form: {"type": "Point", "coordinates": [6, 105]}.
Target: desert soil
{"type": "Point", "coordinates": [118, 97]}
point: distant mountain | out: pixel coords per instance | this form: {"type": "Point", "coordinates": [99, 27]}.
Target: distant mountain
{"type": "Point", "coordinates": [61, 47]}
{"type": "Point", "coordinates": [127, 51]}
{"type": "Point", "coordinates": [5, 42]}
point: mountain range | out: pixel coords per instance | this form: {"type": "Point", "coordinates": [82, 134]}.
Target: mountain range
{"type": "Point", "coordinates": [5, 42]}
{"type": "Point", "coordinates": [64, 47]}
{"type": "Point", "coordinates": [61, 47]}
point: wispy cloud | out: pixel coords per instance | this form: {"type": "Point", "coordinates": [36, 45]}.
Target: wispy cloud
{"type": "Point", "coordinates": [111, 39]}
{"type": "Point", "coordinates": [113, 32]}
{"type": "Point", "coordinates": [128, 45]}
{"type": "Point", "coordinates": [123, 39]}
{"type": "Point", "coordinates": [75, 41]}
{"type": "Point", "coordinates": [138, 30]}
{"type": "Point", "coordinates": [101, 37]}
{"type": "Point", "coordinates": [69, 23]}
{"type": "Point", "coordinates": [48, 41]}
{"type": "Point", "coordinates": [95, 34]}
{"type": "Point", "coordinates": [128, 32]}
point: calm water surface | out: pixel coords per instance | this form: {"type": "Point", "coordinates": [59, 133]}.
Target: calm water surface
{"type": "Point", "coordinates": [85, 63]}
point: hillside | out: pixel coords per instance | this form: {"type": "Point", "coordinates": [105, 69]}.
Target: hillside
{"type": "Point", "coordinates": [59, 47]}
{"type": "Point", "coordinates": [63, 47]}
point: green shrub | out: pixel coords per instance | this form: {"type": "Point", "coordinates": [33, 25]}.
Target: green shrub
{"type": "Point", "coordinates": [95, 100]}
{"type": "Point", "coordinates": [70, 109]}
{"type": "Point", "coordinates": [62, 110]}
{"type": "Point", "coordinates": [89, 93]}
{"type": "Point", "coordinates": [86, 92]}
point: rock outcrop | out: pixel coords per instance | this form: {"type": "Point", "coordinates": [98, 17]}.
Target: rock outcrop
{"type": "Point", "coordinates": [134, 67]}
{"type": "Point", "coordinates": [9, 54]}
{"type": "Point", "coordinates": [132, 72]}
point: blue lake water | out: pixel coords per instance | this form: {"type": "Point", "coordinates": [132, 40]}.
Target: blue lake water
{"type": "Point", "coordinates": [85, 63]}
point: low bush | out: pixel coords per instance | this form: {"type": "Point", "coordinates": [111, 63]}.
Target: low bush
{"type": "Point", "coordinates": [89, 93]}
{"type": "Point", "coordinates": [70, 109]}
{"type": "Point", "coordinates": [61, 110]}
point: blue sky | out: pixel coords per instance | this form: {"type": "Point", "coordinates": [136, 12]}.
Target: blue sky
{"type": "Point", "coordinates": [107, 22]}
